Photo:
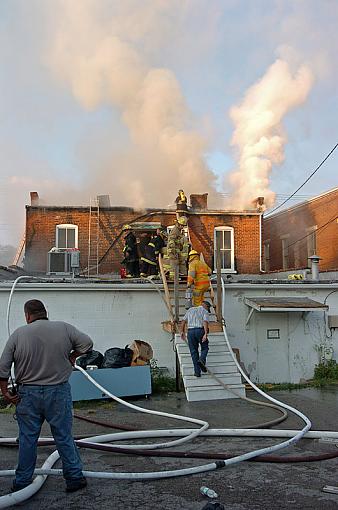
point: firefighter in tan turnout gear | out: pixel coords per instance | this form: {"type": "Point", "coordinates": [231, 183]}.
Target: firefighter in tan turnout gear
{"type": "Point", "coordinates": [177, 248]}
{"type": "Point", "coordinates": [198, 277]}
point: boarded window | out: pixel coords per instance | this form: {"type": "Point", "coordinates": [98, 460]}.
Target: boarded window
{"type": "Point", "coordinates": [311, 241]}
{"type": "Point", "coordinates": [266, 256]}
{"type": "Point", "coordinates": [285, 251]}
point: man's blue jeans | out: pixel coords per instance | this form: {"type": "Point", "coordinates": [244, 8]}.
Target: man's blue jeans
{"type": "Point", "coordinates": [195, 336]}
{"type": "Point", "coordinates": [54, 404]}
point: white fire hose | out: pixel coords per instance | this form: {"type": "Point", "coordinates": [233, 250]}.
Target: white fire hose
{"type": "Point", "coordinates": [185, 434]}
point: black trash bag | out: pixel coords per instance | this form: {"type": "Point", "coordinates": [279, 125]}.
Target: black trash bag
{"type": "Point", "coordinates": [117, 358]}
{"type": "Point", "coordinates": [213, 506]}
{"type": "Point", "coordinates": [90, 358]}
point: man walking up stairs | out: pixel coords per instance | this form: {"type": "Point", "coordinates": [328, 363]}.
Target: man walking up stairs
{"type": "Point", "coordinates": [196, 320]}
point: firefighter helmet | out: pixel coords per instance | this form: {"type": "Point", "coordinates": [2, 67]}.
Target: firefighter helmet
{"type": "Point", "coordinates": [182, 220]}
{"type": "Point", "coordinates": [193, 253]}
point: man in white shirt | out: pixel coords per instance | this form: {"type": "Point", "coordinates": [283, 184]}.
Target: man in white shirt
{"type": "Point", "coordinates": [196, 320]}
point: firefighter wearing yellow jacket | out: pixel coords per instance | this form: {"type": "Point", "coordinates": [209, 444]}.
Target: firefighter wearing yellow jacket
{"type": "Point", "coordinates": [198, 277]}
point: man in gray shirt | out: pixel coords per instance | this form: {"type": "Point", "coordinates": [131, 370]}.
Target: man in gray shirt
{"type": "Point", "coordinates": [196, 320]}
{"type": "Point", "coordinates": [43, 353]}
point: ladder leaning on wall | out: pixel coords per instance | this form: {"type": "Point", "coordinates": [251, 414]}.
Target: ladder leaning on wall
{"type": "Point", "coordinates": [20, 250]}
{"type": "Point", "coordinates": [93, 237]}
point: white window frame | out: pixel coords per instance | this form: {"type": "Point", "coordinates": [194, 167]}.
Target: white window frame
{"type": "Point", "coordinates": [66, 226]}
{"type": "Point", "coordinates": [232, 249]}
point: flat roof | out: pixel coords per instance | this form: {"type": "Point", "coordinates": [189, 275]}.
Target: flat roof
{"type": "Point", "coordinates": [148, 211]}
{"type": "Point", "coordinates": [284, 304]}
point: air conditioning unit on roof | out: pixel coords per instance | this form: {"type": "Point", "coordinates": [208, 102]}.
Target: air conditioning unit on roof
{"type": "Point", "coordinates": [63, 261]}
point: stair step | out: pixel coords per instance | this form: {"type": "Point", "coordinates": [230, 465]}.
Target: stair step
{"type": "Point", "coordinates": [220, 362]}
{"type": "Point", "coordinates": [216, 357]}
{"type": "Point", "coordinates": [212, 341]}
{"type": "Point", "coordinates": [207, 380]}
{"type": "Point", "coordinates": [196, 394]}
{"type": "Point", "coordinates": [224, 369]}
{"type": "Point", "coordinates": [213, 349]}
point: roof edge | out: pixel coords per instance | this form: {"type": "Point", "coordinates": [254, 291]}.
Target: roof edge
{"type": "Point", "coordinates": [301, 204]}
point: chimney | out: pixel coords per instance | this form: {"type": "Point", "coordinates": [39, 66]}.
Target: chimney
{"type": "Point", "coordinates": [103, 200]}
{"type": "Point", "coordinates": [35, 200]}
{"type": "Point", "coordinates": [259, 204]}
{"type": "Point", "coordinates": [199, 201]}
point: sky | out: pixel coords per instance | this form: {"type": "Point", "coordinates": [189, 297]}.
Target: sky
{"type": "Point", "coordinates": [137, 99]}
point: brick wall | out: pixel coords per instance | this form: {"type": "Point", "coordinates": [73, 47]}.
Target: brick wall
{"type": "Point", "coordinates": [41, 234]}
{"type": "Point", "coordinates": [295, 223]}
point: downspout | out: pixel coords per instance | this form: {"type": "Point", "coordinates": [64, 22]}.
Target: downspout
{"type": "Point", "coordinates": [261, 270]}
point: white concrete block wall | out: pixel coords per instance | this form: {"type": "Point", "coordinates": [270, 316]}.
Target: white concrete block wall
{"type": "Point", "coordinates": [294, 355]}
{"type": "Point", "coordinates": [113, 315]}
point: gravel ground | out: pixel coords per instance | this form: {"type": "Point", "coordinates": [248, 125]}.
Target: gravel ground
{"type": "Point", "coordinates": [244, 486]}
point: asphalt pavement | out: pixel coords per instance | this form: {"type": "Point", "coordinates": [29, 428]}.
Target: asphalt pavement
{"type": "Point", "coordinates": [243, 486]}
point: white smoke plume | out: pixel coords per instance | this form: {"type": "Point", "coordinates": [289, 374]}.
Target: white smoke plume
{"type": "Point", "coordinates": [102, 66]}
{"type": "Point", "coordinates": [259, 135]}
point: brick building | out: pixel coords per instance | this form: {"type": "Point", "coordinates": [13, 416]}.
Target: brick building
{"type": "Point", "coordinates": [239, 233]}
{"type": "Point", "coordinates": [291, 236]}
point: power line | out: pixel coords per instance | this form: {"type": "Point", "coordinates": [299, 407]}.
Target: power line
{"type": "Point", "coordinates": [314, 231]}
{"type": "Point", "coordinates": [307, 180]}
{"type": "Point", "coordinates": [278, 196]}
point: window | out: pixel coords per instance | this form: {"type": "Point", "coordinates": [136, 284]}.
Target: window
{"type": "Point", "coordinates": [285, 251]}
{"type": "Point", "coordinates": [311, 241]}
{"type": "Point", "coordinates": [66, 236]}
{"type": "Point", "coordinates": [266, 255]}
{"type": "Point", "coordinates": [224, 238]}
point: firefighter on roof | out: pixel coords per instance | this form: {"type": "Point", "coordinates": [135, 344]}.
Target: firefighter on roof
{"type": "Point", "coordinates": [177, 248]}
{"type": "Point", "coordinates": [181, 201]}
{"type": "Point", "coordinates": [130, 253]}
{"type": "Point", "coordinates": [148, 262]}
{"type": "Point", "coordinates": [198, 277]}
{"type": "Point", "coordinates": [159, 241]}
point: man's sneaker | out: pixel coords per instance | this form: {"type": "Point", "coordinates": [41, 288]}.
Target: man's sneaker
{"type": "Point", "coordinates": [75, 485]}
{"type": "Point", "coordinates": [197, 375]}
{"type": "Point", "coordinates": [202, 366]}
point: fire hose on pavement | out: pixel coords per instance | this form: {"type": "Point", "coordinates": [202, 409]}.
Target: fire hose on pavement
{"type": "Point", "coordinates": [185, 435]}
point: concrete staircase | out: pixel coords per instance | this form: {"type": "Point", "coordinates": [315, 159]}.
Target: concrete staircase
{"type": "Point", "coordinates": [219, 361]}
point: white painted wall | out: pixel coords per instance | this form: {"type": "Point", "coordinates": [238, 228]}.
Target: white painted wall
{"type": "Point", "coordinates": [292, 357]}
{"type": "Point", "coordinates": [115, 314]}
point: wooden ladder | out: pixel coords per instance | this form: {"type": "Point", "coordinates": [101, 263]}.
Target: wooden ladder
{"type": "Point", "coordinates": [170, 298]}
{"type": "Point", "coordinates": [20, 250]}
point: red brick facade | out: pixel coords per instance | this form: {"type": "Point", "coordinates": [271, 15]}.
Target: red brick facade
{"type": "Point", "coordinates": [41, 222]}
{"type": "Point", "coordinates": [294, 226]}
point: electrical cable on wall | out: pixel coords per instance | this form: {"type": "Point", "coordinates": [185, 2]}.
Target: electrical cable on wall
{"type": "Point", "coordinates": [334, 217]}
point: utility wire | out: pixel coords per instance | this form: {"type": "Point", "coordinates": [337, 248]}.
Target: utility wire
{"type": "Point", "coordinates": [307, 180]}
